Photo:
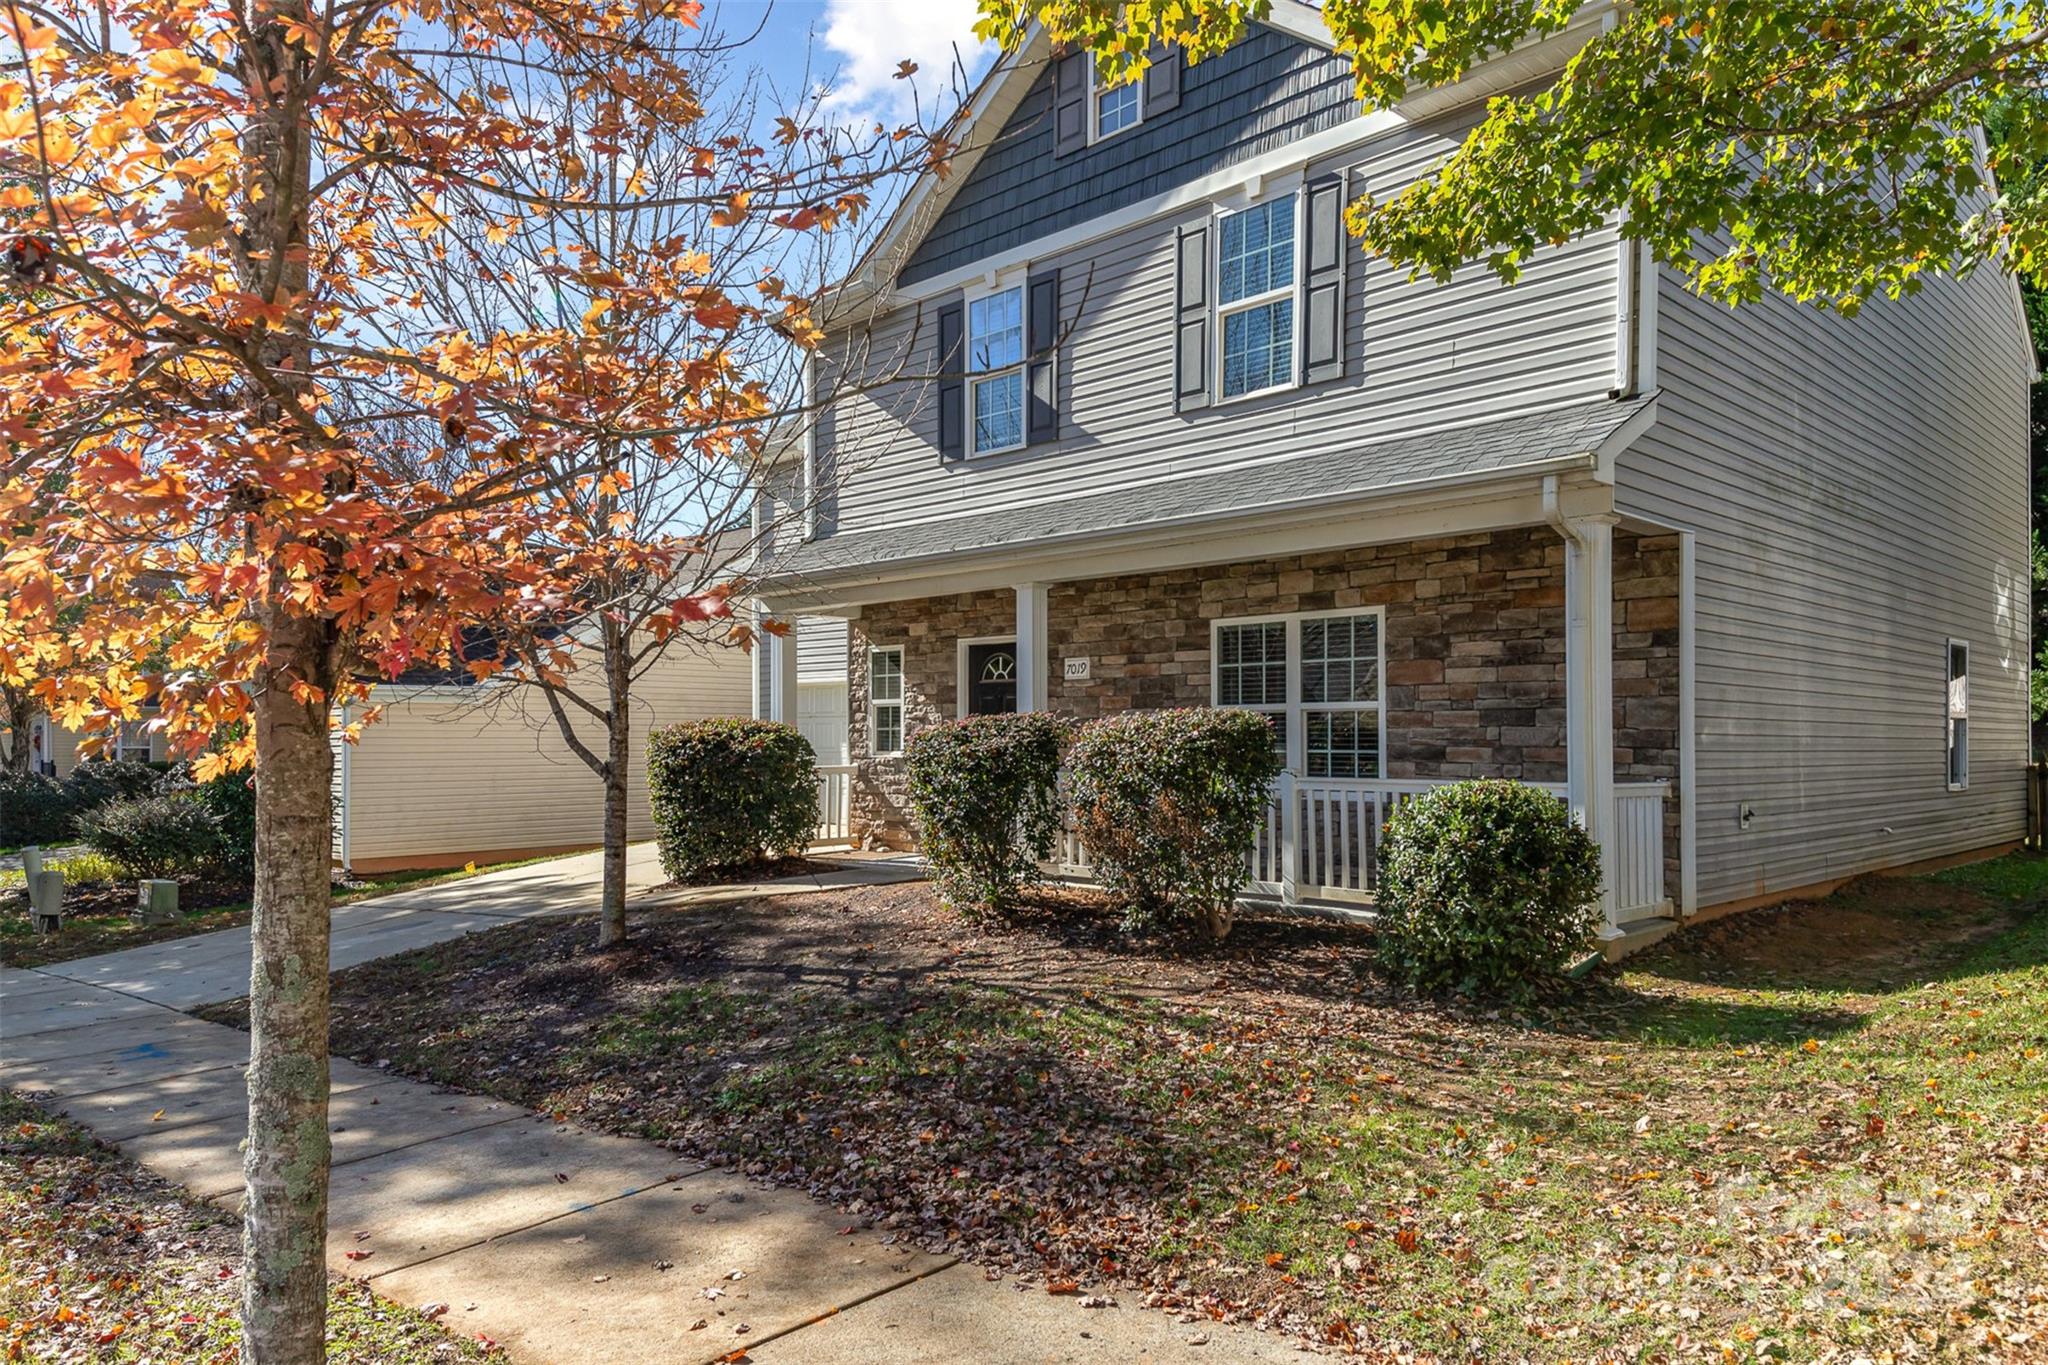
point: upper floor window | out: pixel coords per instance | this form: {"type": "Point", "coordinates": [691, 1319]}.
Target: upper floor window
{"type": "Point", "coordinates": [995, 366]}
{"type": "Point", "coordinates": [1115, 108]}
{"type": "Point", "coordinates": [1255, 298]}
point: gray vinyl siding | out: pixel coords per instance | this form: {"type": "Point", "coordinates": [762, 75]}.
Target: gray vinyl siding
{"type": "Point", "coordinates": [1859, 490]}
{"type": "Point", "coordinates": [821, 649]}
{"type": "Point", "coordinates": [1419, 356]}
{"type": "Point", "coordinates": [1265, 92]}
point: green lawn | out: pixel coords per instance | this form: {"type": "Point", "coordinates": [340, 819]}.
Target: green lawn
{"type": "Point", "coordinates": [106, 1262]}
{"type": "Point", "coordinates": [1808, 1134]}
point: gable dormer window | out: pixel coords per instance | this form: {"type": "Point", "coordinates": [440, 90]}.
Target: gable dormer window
{"type": "Point", "coordinates": [995, 368]}
{"type": "Point", "coordinates": [1115, 108]}
{"type": "Point", "coordinates": [1255, 298]}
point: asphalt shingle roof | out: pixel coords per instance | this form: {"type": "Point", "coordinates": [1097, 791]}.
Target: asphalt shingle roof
{"type": "Point", "coordinates": [1335, 475]}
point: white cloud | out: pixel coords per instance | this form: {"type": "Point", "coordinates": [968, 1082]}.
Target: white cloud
{"type": "Point", "coordinates": [871, 37]}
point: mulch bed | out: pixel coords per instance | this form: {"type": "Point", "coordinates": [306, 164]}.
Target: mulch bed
{"type": "Point", "coordinates": [1267, 1131]}
{"type": "Point", "coordinates": [755, 872]}
{"type": "Point", "coordinates": [96, 920]}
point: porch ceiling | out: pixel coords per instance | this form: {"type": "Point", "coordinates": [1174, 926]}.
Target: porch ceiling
{"type": "Point", "coordinates": [1330, 482]}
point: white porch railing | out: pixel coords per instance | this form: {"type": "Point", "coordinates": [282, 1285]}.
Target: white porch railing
{"type": "Point", "coordinates": [1323, 843]}
{"type": "Point", "coordinates": [835, 817]}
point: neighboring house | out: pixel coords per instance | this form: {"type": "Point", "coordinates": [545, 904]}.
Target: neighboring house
{"type": "Point", "coordinates": [458, 771]}
{"type": "Point", "coordinates": [53, 749]}
{"type": "Point", "coordinates": [1749, 588]}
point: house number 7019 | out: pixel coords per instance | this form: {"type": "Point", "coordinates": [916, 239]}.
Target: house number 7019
{"type": "Point", "coordinates": [1076, 669]}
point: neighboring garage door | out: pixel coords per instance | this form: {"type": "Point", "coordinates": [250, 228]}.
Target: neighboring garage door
{"type": "Point", "coordinates": [821, 715]}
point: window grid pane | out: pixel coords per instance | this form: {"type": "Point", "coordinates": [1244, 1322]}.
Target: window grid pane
{"type": "Point", "coordinates": [1257, 251]}
{"type": "Point", "coordinates": [888, 727]}
{"type": "Point", "coordinates": [1258, 348]}
{"type": "Point", "coordinates": [1251, 667]}
{"type": "Point", "coordinates": [999, 412]}
{"type": "Point", "coordinates": [1116, 110]}
{"type": "Point", "coordinates": [885, 675]}
{"type": "Point", "coordinates": [995, 330]}
{"type": "Point", "coordinates": [1340, 659]}
{"type": "Point", "coordinates": [1341, 743]}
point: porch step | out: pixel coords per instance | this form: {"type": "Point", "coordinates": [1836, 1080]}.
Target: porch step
{"type": "Point", "coordinates": [1634, 936]}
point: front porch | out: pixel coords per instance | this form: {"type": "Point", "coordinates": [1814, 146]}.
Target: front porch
{"type": "Point", "coordinates": [1544, 654]}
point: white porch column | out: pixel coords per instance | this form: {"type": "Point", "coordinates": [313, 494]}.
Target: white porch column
{"type": "Point", "coordinates": [782, 673]}
{"type": "Point", "coordinates": [1589, 685]}
{"type": "Point", "coordinates": [1033, 684]}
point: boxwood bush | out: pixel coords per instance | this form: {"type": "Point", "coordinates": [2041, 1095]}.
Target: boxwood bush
{"type": "Point", "coordinates": [984, 793]}
{"type": "Point", "coordinates": [35, 809]}
{"type": "Point", "coordinates": [167, 834]}
{"type": "Point", "coordinates": [729, 793]}
{"type": "Point", "coordinates": [1486, 887]}
{"type": "Point", "coordinates": [1168, 805]}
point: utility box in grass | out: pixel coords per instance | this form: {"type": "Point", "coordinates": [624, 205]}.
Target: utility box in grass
{"type": "Point", "coordinates": [45, 899]}
{"type": "Point", "coordinates": [156, 902]}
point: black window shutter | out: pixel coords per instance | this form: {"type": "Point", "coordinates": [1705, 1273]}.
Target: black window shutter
{"type": "Point", "coordinates": [1162, 81]}
{"type": "Point", "coordinates": [952, 385]}
{"type": "Point", "coordinates": [1042, 325]}
{"type": "Point", "coordinates": [1070, 103]}
{"type": "Point", "coordinates": [1191, 319]}
{"type": "Point", "coordinates": [1322, 282]}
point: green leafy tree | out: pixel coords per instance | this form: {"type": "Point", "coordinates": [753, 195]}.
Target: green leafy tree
{"type": "Point", "coordinates": [1830, 153]}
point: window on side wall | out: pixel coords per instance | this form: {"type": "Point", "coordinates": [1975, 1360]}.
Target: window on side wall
{"type": "Point", "coordinates": [885, 700]}
{"type": "Point", "coordinates": [1255, 271]}
{"type": "Point", "coordinates": [1317, 678]}
{"type": "Point", "coordinates": [995, 369]}
{"type": "Point", "coordinates": [133, 745]}
{"type": "Point", "coordinates": [1958, 715]}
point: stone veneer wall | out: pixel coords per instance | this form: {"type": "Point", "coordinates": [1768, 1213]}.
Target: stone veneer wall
{"type": "Point", "coordinates": [1474, 647]}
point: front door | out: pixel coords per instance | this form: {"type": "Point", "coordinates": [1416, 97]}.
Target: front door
{"type": "Point", "coordinates": [991, 678]}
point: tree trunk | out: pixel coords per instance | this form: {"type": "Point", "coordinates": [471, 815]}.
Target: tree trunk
{"type": "Point", "coordinates": [284, 1216]}
{"type": "Point", "coordinates": [20, 719]}
{"type": "Point", "coordinates": [611, 926]}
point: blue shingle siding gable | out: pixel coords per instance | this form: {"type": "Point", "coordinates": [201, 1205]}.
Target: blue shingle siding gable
{"type": "Point", "coordinates": [1267, 91]}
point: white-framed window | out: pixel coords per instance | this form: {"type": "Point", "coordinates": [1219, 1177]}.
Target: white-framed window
{"type": "Point", "coordinates": [1318, 676]}
{"type": "Point", "coordinates": [133, 744]}
{"type": "Point", "coordinates": [1958, 715]}
{"type": "Point", "coordinates": [885, 700]}
{"type": "Point", "coordinates": [995, 370]}
{"type": "Point", "coordinates": [1255, 289]}
{"type": "Point", "coordinates": [1112, 109]}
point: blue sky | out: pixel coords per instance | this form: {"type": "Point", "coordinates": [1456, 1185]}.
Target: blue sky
{"type": "Point", "coordinates": [855, 45]}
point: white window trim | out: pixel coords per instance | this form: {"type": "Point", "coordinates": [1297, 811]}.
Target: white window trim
{"type": "Point", "coordinates": [123, 745]}
{"type": "Point", "coordinates": [1219, 310]}
{"type": "Point", "coordinates": [1004, 283]}
{"type": "Point", "coordinates": [875, 749]}
{"type": "Point", "coordinates": [961, 680]}
{"type": "Point", "coordinates": [1096, 90]}
{"type": "Point", "coordinates": [1297, 728]}
{"type": "Point", "coordinates": [1950, 714]}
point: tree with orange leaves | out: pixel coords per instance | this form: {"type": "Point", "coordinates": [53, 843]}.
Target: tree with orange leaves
{"type": "Point", "coordinates": [257, 460]}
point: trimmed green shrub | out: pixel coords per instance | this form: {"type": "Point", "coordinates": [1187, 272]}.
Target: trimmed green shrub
{"type": "Point", "coordinates": [231, 799]}
{"type": "Point", "coordinates": [1485, 887]}
{"type": "Point", "coordinates": [98, 781]}
{"type": "Point", "coordinates": [34, 809]}
{"type": "Point", "coordinates": [164, 835]}
{"type": "Point", "coordinates": [1169, 805]}
{"type": "Point", "coordinates": [729, 793]}
{"type": "Point", "coordinates": [984, 792]}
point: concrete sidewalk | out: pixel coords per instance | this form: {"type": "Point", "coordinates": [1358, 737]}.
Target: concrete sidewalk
{"type": "Point", "coordinates": [558, 1243]}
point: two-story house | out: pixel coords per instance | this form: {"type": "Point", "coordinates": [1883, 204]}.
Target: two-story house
{"type": "Point", "coordinates": [1124, 419]}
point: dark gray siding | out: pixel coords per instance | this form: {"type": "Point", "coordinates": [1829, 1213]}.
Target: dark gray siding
{"type": "Point", "coordinates": [1858, 488]}
{"type": "Point", "coordinates": [1419, 357]}
{"type": "Point", "coordinates": [1265, 92]}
